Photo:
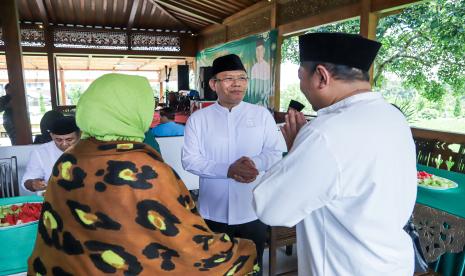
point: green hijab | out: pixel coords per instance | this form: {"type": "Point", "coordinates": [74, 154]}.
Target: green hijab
{"type": "Point", "coordinates": [116, 107]}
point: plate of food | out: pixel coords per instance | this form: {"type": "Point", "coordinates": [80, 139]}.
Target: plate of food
{"type": "Point", "coordinates": [433, 182]}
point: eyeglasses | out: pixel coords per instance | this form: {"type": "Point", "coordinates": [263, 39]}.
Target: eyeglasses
{"type": "Point", "coordinates": [231, 80]}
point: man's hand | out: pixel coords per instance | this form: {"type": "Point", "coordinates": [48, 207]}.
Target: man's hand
{"type": "Point", "coordinates": [294, 122]}
{"type": "Point", "coordinates": [243, 170]}
{"type": "Point", "coordinates": [35, 184]}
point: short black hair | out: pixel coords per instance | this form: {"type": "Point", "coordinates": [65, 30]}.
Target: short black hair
{"type": "Point", "coordinates": [337, 71]}
{"type": "Point", "coordinates": [168, 113]}
{"type": "Point", "coordinates": [6, 86]}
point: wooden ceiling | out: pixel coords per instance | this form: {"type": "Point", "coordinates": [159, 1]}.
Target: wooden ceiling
{"type": "Point", "coordinates": [173, 15]}
{"type": "Point", "coordinates": [100, 63]}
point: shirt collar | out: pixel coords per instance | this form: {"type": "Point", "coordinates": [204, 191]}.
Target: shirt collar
{"type": "Point", "coordinates": [235, 109]}
{"type": "Point", "coordinates": [364, 96]}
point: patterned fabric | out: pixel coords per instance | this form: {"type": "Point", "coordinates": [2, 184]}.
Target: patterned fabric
{"type": "Point", "coordinates": [117, 208]}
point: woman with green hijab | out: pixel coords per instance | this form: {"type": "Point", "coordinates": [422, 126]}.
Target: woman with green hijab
{"type": "Point", "coordinates": [113, 206]}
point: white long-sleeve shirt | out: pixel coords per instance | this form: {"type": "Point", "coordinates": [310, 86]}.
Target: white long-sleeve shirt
{"type": "Point", "coordinates": [41, 162]}
{"type": "Point", "coordinates": [214, 138]}
{"type": "Point", "coordinates": [349, 183]}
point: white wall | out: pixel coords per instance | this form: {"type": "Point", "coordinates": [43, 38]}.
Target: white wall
{"type": "Point", "coordinates": [170, 148]}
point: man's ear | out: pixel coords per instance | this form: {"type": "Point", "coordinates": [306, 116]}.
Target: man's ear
{"type": "Point", "coordinates": [323, 76]}
{"type": "Point", "coordinates": [211, 82]}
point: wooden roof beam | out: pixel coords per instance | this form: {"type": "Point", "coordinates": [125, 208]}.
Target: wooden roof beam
{"type": "Point", "coordinates": [42, 12]}
{"type": "Point", "coordinates": [166, 12]}
{"type": "Point", "coordinates": [132, 14]}
{"type": "Point", "coordinates": [188, 11]}
{"type": "Point", "coordinates": [240, 14]}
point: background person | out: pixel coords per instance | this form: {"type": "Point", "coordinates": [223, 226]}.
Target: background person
{"type": "Point", "coordinates": [167, 126]}
{"type": "Point", "coordinates": [5, 106]}
{"type": "Point", "coordinates": [46, 124]}
{"type": "Point", "coordinates": [64, 134]}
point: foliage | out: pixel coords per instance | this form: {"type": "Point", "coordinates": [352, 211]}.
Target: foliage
{"type": "Point", "coordinates": [457, 108]}
{"type": "Point", "coordinates": [423, 45]}
{"type": "Point", "coordinates": [74, 94]}
{"type": "Point", "coordinates": [290, 46]}
{"type": "Point", "coordinates": [41, 104]}
{"type": "Point", "coordinates": [407, 108]}
{"type": "Point", "coordinates": [292, 92]}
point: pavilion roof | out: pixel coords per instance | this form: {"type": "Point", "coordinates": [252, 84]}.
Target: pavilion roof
{"type": "Point", "coordinates": [162, 15]}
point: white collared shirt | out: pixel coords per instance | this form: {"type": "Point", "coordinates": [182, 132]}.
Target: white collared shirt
{"type": "Point", "coordinates": [41, 162]}
{"type": "Point", "coordinates": [215, 138]}
{"type": "Point", "coordinates": [349, 183]}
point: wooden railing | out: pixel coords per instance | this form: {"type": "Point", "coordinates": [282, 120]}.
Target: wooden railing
{"type": "Point", "coordinates": [443, 150]}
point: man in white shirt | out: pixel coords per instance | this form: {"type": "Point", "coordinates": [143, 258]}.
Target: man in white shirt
{"type": "Point", "coordinates": [349, 180]}
{"type": "Point", "coordinates": [64, 133]}
{"type": "Point", "coordinates": [229, 144]}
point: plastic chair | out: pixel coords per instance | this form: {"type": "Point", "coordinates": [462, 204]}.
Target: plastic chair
{"type": "Point", "coordinates": [9, 177]}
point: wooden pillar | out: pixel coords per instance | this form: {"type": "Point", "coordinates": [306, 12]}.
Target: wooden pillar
{"type": "Point", "coordinates": [278, 57]}
{"type": "Point", "coordinates": [52, 70]}
{"type": "Point", "coordinates": [368, 24]}
{"type": "Point", "coordinates": [62, 88]}
{"type": "Point", "coordinates": [14, 61]}
{"type": "Point", "coordinates": [161, 92]}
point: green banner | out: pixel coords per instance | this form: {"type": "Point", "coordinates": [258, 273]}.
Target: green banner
{"type": "Point", "coordinates": [258, 54]}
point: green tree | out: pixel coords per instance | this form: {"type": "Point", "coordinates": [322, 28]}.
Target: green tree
{"type": "Point", "coordinates": [423, 45]}
{"type": "Point", "coordinates": [292, 92]}
{"type": "Point", "coordinates": [41, 104]}
{"type": "Point", "coordinates": [74, 94]}
{"type": "Point", "coordinates": [290, 46]}
{"type": "Point", "coordinates": [457, 107]}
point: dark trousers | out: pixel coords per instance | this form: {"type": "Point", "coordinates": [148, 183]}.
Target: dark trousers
{"type": "Point", "coordinates": [254, 230]}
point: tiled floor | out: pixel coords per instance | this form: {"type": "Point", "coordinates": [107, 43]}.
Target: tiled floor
{"type": "Point", "coordinates": [285, 263]}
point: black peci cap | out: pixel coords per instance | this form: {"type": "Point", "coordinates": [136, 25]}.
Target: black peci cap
{"type": "Point", "coordinates": [338, 48]}
{"type": "Point", "coordinates": [227, 63]}
{"type": "Point", "coordinates": [64, 125]}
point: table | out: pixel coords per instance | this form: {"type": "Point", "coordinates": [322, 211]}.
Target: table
{"type": "Point", "coordinates": [18, 242]}
{"type": "Point", "coordinates": [439, 217]}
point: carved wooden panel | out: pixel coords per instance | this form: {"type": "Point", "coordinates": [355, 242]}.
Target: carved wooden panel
{"type": "Point", "coordinates": [439, 232]}
{"type": "Point", "coordinates": [291, 10]}
{"type": "Point", "coordinates": [441, 155]}
{"type": "Point", "coordinates": [32, 37]}
{"type": "Point", "coordinates": [29, 37]}
{"type": "Point", "coordinates": [155, 42]}
{"type": "Point", "coordinates": [251, 24]}
{"type": "Point", "coordinates": [67, 38]}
